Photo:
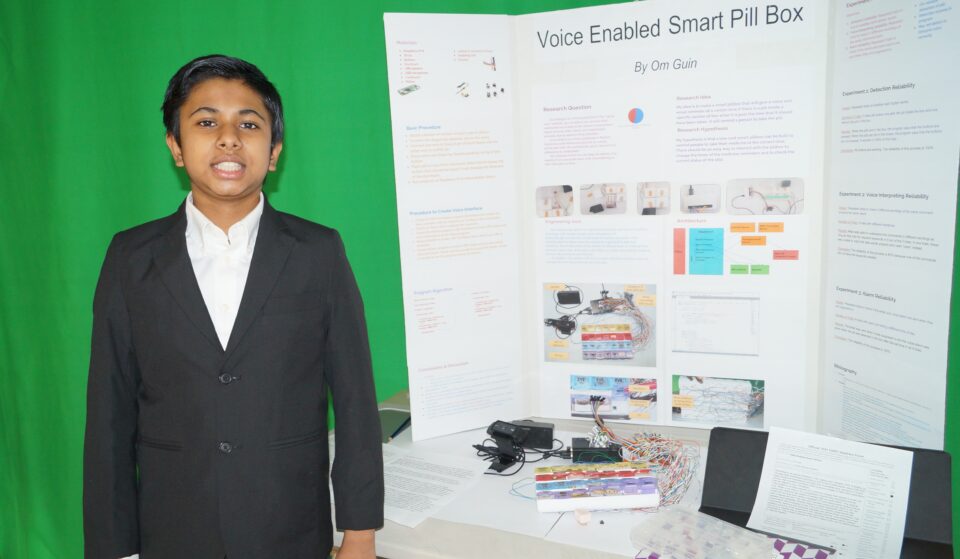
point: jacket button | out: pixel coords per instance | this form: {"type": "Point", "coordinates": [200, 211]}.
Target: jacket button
{"type": "Point", "coordinates": [225, 447]}
{"type": "Point", "coordinates": [226, 378]}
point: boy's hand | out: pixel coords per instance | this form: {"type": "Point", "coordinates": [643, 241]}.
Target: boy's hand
{"type": "Point", "coordinates": [357, 544]}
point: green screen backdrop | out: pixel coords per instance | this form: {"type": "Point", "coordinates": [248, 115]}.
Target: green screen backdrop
{"type": "Point", "coordinates": [83, 157]}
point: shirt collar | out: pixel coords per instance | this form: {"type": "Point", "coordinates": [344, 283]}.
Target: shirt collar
{"type": "Point", "coordinates": [242, 234]}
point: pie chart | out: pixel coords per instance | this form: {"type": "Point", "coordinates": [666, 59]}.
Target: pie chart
{"type": "Point", "coordinates": [635, 116]}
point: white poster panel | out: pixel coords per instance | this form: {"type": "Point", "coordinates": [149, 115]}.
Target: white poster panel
{"type": "Point", "coordinates": [450, 83]}
{"type": "Point", "coordinates": [893, 144]}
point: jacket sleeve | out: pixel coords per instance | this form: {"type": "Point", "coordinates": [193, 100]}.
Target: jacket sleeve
{"type": "Point", "coordinates": [358, 462]}
{"type": "Point", "coordinates": [110, 517]}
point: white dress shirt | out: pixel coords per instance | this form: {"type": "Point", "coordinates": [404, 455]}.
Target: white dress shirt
{"type": "Point", "coordinates": [221, 262]}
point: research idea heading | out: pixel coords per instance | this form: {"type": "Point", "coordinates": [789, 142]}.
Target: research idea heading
{"type": "Point", "coordinates": [737, 18]}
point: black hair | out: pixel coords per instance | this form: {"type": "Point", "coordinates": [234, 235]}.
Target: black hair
{"type": "Point", "coordinates": [219, 66]}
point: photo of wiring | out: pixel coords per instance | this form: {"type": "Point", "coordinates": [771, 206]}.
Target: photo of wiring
{"type": "Point", "coordinates": [765, 196]}
{"type": "Point", "coordinates": [718, 401]}
{"type": "Point", "coordinates": [628, 399]}
{"type": "Point", "coordinates": [600, 323]}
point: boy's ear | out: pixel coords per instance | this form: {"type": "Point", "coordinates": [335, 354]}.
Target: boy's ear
{"type": "Point", "coordinates": [175, 150]}
{"type": "Point", "coordinates": [274, 155]}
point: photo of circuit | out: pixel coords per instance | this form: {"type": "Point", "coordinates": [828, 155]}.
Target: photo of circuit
{"type": "Point", "coordinates": [765, 196]}
{"type": "Point", "coordinates": [616, 397]}
{"type": "Point", "coordinates": [600, 323]}
{"type": "Point", "coordinates": [718, 401]}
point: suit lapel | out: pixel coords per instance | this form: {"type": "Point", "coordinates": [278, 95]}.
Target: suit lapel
{"type": "Point", "coordinates": [269, 256]}
{"type": "Point", "coordinates": [177, 274]}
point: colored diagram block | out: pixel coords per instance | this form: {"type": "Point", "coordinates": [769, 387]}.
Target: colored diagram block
{"type": "Point", "coordinates": [760, 269]}
{"type": "Point", "coordinates": [753, 240]}
{"type": "Point", "coordinates": [743, 227]}
{"type": "Point", "coordinates": [706, 251]}
{"type": "Point", "coordinates": [772, 227]}
{"type": "Point", "coordinates": [739, 269]}
{"type": "Point", "coordinates": [679, 251]}
{"type": "Point", "coordinates": [786, 255]}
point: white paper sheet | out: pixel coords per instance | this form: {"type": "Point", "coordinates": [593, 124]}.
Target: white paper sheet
{"type": "Point", "coordinates": [841, 494]}
{"type": "Point", "coordinates": [493, 506]}
{"type": "Point", "coordinates": [496, 507]}
{"type": "Point", "coordinates": [418, 484]}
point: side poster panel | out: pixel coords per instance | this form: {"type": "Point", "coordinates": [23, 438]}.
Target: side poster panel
{"type": "Point", "coordinates": [451, 85]}
{"type": "Point", "coordinates": [893, 144]}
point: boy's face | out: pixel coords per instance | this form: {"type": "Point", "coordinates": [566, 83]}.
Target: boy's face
{"type": "Point", "coordinates": [224, 141]}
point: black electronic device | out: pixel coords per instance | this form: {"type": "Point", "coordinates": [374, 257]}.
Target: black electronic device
{"type": "Point", "coordinates": [596, 208]}
{"type": "Point", "coordinates": [601, 306]}
{"type": "Point", "coordinates": [585, 453]}
{"type": "Point", "coordinates": [512, 438]}
{"type": "Point", "coordinates": [539, 435]}
{"type": "Point", "coordinates": [565, 324]}
{"type": "Point", "coordinates": [525, 434]}
{"type": "Point", "coordinates": [568, 297]}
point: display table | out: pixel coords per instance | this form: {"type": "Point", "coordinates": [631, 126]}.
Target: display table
{"type": "Point", "coordinates": [490, 502]}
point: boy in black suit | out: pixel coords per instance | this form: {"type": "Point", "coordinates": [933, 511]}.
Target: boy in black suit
{"type": "Point", "coordinates": [217, 332]}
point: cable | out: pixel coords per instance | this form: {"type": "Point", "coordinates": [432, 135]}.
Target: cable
{"type": "Point", "coordinates": [491, 453]}
{"type": "Point", "coordinates": [732, 205]}
{"type": "Point", "coordinates": [522, 484]}
{"type": "Point", "coordinates": [676, 463]}
{"type": "Point", "coordinates": [793, 206]}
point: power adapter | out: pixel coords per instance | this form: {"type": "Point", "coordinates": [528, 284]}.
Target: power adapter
{"type": "Point", "coordinates": [524, 433]}
{"type": "Point", "coordinates": [539, 435]}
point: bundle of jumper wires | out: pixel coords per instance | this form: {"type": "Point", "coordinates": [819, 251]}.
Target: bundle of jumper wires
{"type": "Point", "coordinates": [675, 462]}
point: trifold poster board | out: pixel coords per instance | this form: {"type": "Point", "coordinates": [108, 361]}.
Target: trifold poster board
{"type": "Point", "coordinates": [704, 212]}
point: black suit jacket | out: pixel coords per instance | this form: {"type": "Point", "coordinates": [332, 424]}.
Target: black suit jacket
{"type": "Point", "coordinates": [193, 451]}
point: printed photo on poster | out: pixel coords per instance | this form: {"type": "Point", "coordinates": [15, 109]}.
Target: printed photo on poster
{"type": "Point", "coordinates": [603, 199]}
{"type": "Point", "coordinates": [765, 196]}
{"type": "Point", "coordinates": [600, 323]}
{"type": "Point", "coordinates": [718, 401]}
{"type": "Point", "coordinates": [617, 397]}
{"type": "Point", "coordinates": [554, 201]}
{"type": "Point", "coordinates": [653, 198]}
